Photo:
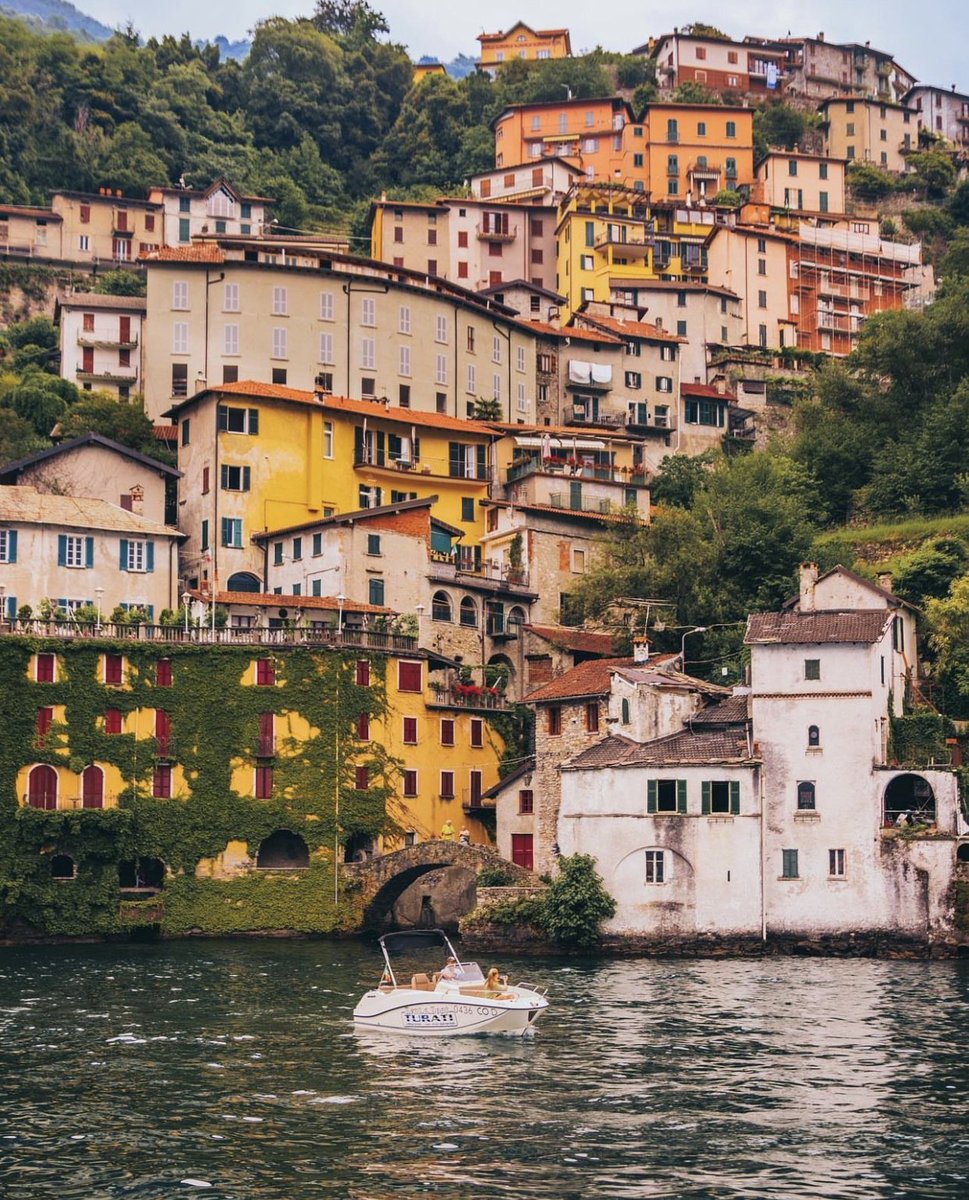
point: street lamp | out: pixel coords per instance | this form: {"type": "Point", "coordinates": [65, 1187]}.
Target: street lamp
{"type": "Point", "coordinates": [419, 609]}
{"type": "Point", "coordinates": [341, 600]}
{"type": "Point", "coordinates": [99, 592]}
{"type": "Point", "coordinates": [695, 629]}
{"type": "Point", "coordinates": [186, 596]}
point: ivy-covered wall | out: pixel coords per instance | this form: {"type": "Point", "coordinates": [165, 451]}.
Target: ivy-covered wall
{"type": "Point", "coordinates": [214, 718]}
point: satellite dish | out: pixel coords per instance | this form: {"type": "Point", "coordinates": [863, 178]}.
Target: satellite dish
{"type": "Point", "coordinates": [284, 612]}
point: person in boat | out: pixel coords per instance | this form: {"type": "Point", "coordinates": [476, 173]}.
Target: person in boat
{"type": "Point", "coordinates": [495, 984]}
{"type": "Point", "coordinates": [451, 972]}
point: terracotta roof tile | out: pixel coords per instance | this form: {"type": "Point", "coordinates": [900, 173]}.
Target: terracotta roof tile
{"type": "Point", "coordinates": [590, 678]}
{"type": "Point", "coordinates": [200, 252]}
{"type": "Point", "coordinates": [815, 628]}
{"type": "Point", "coordinates": [582, 640]}
{"type": "Point", "coordinates": [23, 504]}
{"type": "Point", "coordinates": [266, 600]}
{"type": "Point", "coordinates": [627, 329]}
{"type": "Point", "coordinates": [685, 748]}
{"type": "Point", "coordinates": [96, 300]}
{"type": "Point", "coordinates": [706, 391]}
{"type": "Point", "coordinates": [731, 711]}
{"type": "Point", "coordinates": [573, 331]}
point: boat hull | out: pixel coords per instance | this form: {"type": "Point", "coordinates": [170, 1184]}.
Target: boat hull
{"type": "Point", "coordinates": [438, 1014]}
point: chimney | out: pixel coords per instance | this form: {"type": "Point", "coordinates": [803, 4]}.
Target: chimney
{"type": "Point", "coordinates": [809, 578]}
{"type": "Point", "coordinates": [640, 650]}
{"type": "Point", "coordinates": [137, 495]}
{"type": "Point", "coordinates": [821, 37]}
{"type": "Point", "coordinates": [885, 580]}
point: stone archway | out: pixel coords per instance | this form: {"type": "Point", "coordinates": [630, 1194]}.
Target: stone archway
{"type": "Point", "coordinates": [283, 851]}
{"type": "Point", "coordinates": [910, 794]}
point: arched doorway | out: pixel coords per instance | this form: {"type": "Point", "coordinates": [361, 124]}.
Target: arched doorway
{"type": "Point", "coordinates": [243, 581]}
{"type": "Point", "coordinates": [962, 854]}
{"type": "Point", "coordinates": [910, 796]}
{"type": "Point", "coordinates": [144, 874]}
{"type": "Point", "coordinates": [500, 673]}
{"type": "Point", "coordinates": [92, 787]}
{"type": "Point", "coordinates": [42, 787]}
{"type": "Point", "coordinates": [283, 851]}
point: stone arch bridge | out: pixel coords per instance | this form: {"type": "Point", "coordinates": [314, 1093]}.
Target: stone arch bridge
{"type": "Point", "coordinates": [384, 879]}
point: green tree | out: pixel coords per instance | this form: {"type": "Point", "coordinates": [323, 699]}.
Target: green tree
{"type": "Point", "coordinates": [929, 572]}
{"type": "Point", "coordinates": [679, 479]}
{"type": "Point", "coordinates": [867, 182]}
{"type": "Point", "coordinates": [956, 261]}
{"type": "Point", "coordinates": [425, 143]}
{"type": "Point", "coordinates": [948, 634]}
{"type": "Point", "coordinates": [120, 283]}
{"type": "Point", "coordinates": [695, 93]}
{"type": "Point", "coordinates": [100, 412]}
{"type": "Point", "coordinates": [958, 203]}
{"type": "Point", "coordinates": [577, 903]}
{"type": "Point", "coordinates": [18, 438]}
{"type": "Point", "coordinates": [935, 171]}
{"type": "Point", "coordinates": [777, 124]}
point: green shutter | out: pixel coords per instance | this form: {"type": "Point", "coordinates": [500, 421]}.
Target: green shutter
{"type": "Point", "coordinates": [705, 789]}
{"type": "Point", "coordinates": [246, 478]}
{"type": "Point", "coordinates": [89, 551]}
{"type": "Point", "coordinates": [735, 796]}
{"type": "Point", "coordinates": [62, 550]}
{"type": "Point", "coordinates": [253, 421]}
{"type": "Point", "coordinates": [11, 608]}
{"type": "Point", "coordinates": [223, 421]}
{"type": "Point", "coordinates": [681, 795]}
{"type": "Point", "coordinates": [381, 454]}
{"type": "Point", "coordinates": [454, 459]}
{"type": "Point", "coordinates": [651, 790]}
{"type": "Point", "coordinates": [123, 557]}
{"type": "Point", "coordinates": [482, 457]}
{"type": "Point", "coordinates": [12, 547]}
{"type": "Point", "coordinates": [150, 556]}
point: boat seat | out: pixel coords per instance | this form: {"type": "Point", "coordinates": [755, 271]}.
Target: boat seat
{"type": "Point", "coordinates": [421, 983]}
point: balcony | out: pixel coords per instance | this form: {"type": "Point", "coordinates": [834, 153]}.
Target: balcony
{"type": "Point", "coordinates": [106, 375]}
{"type": "Point", "coordinates": [441, 467]}
{"type": "Point", "coordinates": [703, 171]}
{"type": "Point", "coordinates": [485, 231]}
{"type": "Point", "coordinates": [444, 569]}
{"type": "Point", "coordinates": [561, 466]}
{"type": "Point", "coordinates": [561, 500]}
{"type": "Point", "coordinates": [90, 342]}
{"type": "Point", "coordinates": [617, 237]}
{"type": "Point", "coordinates": [466, 695]}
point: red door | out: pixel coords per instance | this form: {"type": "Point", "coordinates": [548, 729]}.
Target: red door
{"type": "Point", "coordinates": [92, 787]}
{"type": "Point", "coordinates": [521, 850]}
{"type": "Point", "coordinates": [87, 360]}
{"type": "Point", "coordinates": [42, 788]}
{"type": "Point", "coordinates": [124, 329]}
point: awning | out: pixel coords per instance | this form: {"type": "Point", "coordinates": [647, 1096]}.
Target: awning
{"type": "Point", "coordinates": [569, 443]}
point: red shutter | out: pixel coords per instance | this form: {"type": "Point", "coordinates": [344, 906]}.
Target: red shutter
{"type": "Point", "coordinates": [409, 676]}
{"type": "Point", "coordinates": [410, 783]}
{"type": "Point", "coordinates": [92, 787]}
{"type": "Point", "coordinates": [112, 721]}
{"type": "Point", "coordinates": [447, 785]}
{"type": "Point", "coordinates": [87, 359]}
{"type": "Point", "coordinates": [124, 329]}
{"type": "Point", "coordinates": [447, 732]}
{"type": "Point", "coordinates": [363, 672]}
{"type": "Point", "coordinates": [267, 735]}
{"type": "Point", "coordinates": [114, 669]}
{"type": "Point", "coordinates": [410, 731]}
{"type": "Point", "coordinates": [45, 668]}
{"type": "Point", "coordinates": [265, 672]}
{"type": "Point", "coordinates": [264, 783]}
{"type": "Point", "coordinates": [162, 782]}
{"type": "Point", "coordinates": [45, 718]}
{"type": "Point", "coordinates": [475, 789]}
{"type": "Point", "coordinates": [163, 672]}
{"type": "Point", "coordinates": [477, 734]}
{"type": "Point", "coordinates": [363, 727]}
{"type": "Point", "coordinates": [362, 778]}
{"type": "Point", "coordinates": [163, 732]}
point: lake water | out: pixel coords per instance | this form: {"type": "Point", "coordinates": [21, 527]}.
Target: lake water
{"type": "Point", "coordinates": [230, 1069]}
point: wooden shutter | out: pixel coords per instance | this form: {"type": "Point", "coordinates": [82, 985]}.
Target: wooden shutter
{"type": "Point", "coordinates": [705, 790]}
{"type": "Point", "coordinates": [149, 556]}
{"type": "Point", "coordinates": [651, 792]}
{"type": "Point", "coordinates": [89, 551]}
{"type": "Point", "coordinates": [123, 557]}
{"type": "Point", "coordinates": [11, 546]}
{"type": "Point", "coordinates": [62, 549]}
{"type": "Point", "coordinates": [681, 795]}
{"type": "Point", "coordinates": [253, 421]}
{"type": "Point", "coordinates": [735, 796]}
{"type": "Point", "coordinates": [223, 421]}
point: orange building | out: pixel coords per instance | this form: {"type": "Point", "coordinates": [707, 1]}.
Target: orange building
{"type": "Point", "coordinates": [698, 149]}
{"type": "Point", "coordinates": [593, 132]}
{"type": "Point", "coordinates": [521, 41]}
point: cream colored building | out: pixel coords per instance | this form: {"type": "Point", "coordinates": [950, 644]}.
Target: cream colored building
{"type": "Point", "coordinates": [78, 551]}
{"type": "Point", "coordinates": [219, 209]}
{"type": "Point", "coordinates": [752, 261]}
{"type": "Point", "coordinates": [332, 324]}
{"type": "Point", "coordinates": [871, 131]}
{"type": "Point", "coordinates": [107, 227]}
{"type": "Point", "coordinates": [941, 111]}
{"type": "Point", "coordinates": [101, 341]}
{"type": "Point", "coordinates": [804, 183]}
{"type": "Point", "coordinates": [28, 232]}
{"type": "Point", "coordinates": [95, 466]}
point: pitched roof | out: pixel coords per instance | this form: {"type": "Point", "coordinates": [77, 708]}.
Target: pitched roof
{"type": "Point", "coordinates": [816, 628]}
{"type": "Point", "coordinates": [25, 505]}
{"type": "Point", "coordinates": [661, 672]}
{"type": "Point", "coordinates": [27, 210]}
{"type": "Point", "coordinates": [894, 600]}
{"type": "Point", "coordinates": [201, 252]}
{"type": "Point", "coordinates": [97, 300]}
{"type": "Point", "coordinates": [507, 780]}
{"type": "Point", "coordinates": [573, 331]}
{"type": "Point", "coordinates": [86, 439]}
{"type": "Point", "coordinates": [686, 748]}
{"type": "Point", "coordinates": [731, 711]}
{"type": "Point", "coordinates": [628, 329]}
{"type": "Point", "coordinates": [591, 678]}
{"type": "Point", "coordinates": [706, 391]}
{"type": "Point", "coordinates": [581, 640]}
{"type": "Point", "coordinates": [355, 517]}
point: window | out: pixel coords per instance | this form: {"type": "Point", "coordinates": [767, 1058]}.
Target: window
{"type": "Point", "coordinates": [375, 591]}
{"type": "Point", "coordinates": [836, 864]}
{"type": "Point", "coordinates": [179, 295]}
{"type": "Point", "coordinates": [161, 784]}
{"type": "Point", "coordinates": [238, 420]}
{"type": "Point", "coordinates": [361, 778]}
{"type": "Point", "coordinates": [264, 782]}
{"type": "Point", "coordinates": [75, 551]}
{"type": "Point", "coordinates": [655, 866]}
{"type": "Point", "coordinates": [592, 717]}
{"type": "Point", "coordinates": [327, 439]}
{"type": "Point", "coordinates": [280, 302]}
{"type": "Point", "coordinates": [526, 801]}
{"type": "Point", "coordinates": [280, 342]}
{"type": "Point", "coordinates": [368, 353]}
{"type": "Point", "coordinates": [469, 613]}
{"type": "Point", "coordinates": [812, 668]}
{"type": "Point", "coordinates": [814, 736]}
{"type": "Point", "coordinates": [553, 720]}
{"type": "Point", "coordinates": [496, 349]}
{"type": "Point", "coordinates": [467, 508]}
{"type": "Point", "coordinates": [180, 337]}
{"type": "Point", "coordinates": [232, 532]}
{"type": "Point", "coordinates": [720, 796]}
{"type": "Point", "coordinates": [205, 535]}
{"type": "Point", "coordinates": [409, 676]}
{"type": "Point", "coordinates": [522, 850]}
{"type": "Point", "coordinates": [368, 311]}
{"type": "Point", "coordinates": [731, 129]}
{"type": "Point", "coordinates": [666, 796]}
{"type": "Point", "coordinates": [440, 369]}
{"type": "Point", "coordinates": [326, 306]}
{"type": "Point", "coordinates": [235, 479]}
{"type": "Point", "coordinates": [163, 673]}
{"type": "Point", "coordinates": [410, 783]}
{"type": "Point", "coordinates": [265, 672]}
{"type": "Point", "coordinates": [447, 731]}
{"type": "Point", "coordinates": [805, 796]}
{"type": "Point", "coordinates": [447, 785]}
{"type": "Point", "coordinates": [762, 299]}
{"type": "Point", "coordinates": [410, 731]}
{"type": "Point", "coordinates": [112, 721]}
{"type": "Point", "coordinates": [363, 727]}
{"type": "Point", "coordinates": [297, 549]}
{"type": "Point", "coordinates": [230, 298]}
{"type": "Point", "coordinates": [789, 864]}
{"type": "Point", "coordinates": [440, 329]}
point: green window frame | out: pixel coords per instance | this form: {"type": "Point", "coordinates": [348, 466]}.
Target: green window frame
{"type": "Point", "coordinates": [654, 798]}
{"type": "Point", "coordinates": [713, 801]}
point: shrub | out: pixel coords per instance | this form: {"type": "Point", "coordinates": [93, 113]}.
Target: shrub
{"type": "Point", "coordinates": [495, 877]}
{"type": "Point", "coordinates": [576, 903]}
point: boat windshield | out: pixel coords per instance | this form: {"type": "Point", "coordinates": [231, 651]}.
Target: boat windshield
{"type": "Point", "coordinates": [469, 973]}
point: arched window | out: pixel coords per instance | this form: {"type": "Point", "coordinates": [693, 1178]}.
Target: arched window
{"type": "Point", "coordinates": [283, 850]}
{"type": "Point", "coordinates": [92, 787]}
{"type": "Point", "coordinates": [814, 735]}
{"type": "Point", "coordinates": [469, 613]}
{"type": "Point", "coordinates": [625, 711]}
{"type": "Point", "coordinates": [441, 606]}
{"type": "Point", "coordinates": [42, 788]}
{"type": "Point", "coordinates": [805, 795]}
{"type": "Point", "coordinates": [243, 581]}
{"type": "Point", "coordinates": [516, 618]}
{"type": "Point", "coordinates": [62, 866]}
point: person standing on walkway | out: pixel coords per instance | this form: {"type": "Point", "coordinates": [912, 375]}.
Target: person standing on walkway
{"type": "Point", "coordinates": [447, 831]}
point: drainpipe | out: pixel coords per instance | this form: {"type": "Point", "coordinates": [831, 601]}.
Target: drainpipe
{"type": "Point", "coordinates": [763, 855]}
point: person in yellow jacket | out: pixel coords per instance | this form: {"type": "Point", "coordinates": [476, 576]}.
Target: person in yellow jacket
{"type": "Point", "coordinates": [447, 831]}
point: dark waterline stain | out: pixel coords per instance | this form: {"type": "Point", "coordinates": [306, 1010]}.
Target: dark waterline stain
{"type": "Point", "coordinates": [151, 1071]}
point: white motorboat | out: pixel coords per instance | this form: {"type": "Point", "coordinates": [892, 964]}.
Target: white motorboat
{"type": "Point", "coordinates": [455, 999]}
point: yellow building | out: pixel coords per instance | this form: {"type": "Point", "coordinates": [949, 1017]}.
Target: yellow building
{"type": "Point", "coordinates": [698, 149]}
{"type": "Point", "coordinates": [258, 457]}
{"type": "Point", "coordinates": [871, 131]}
{"type": "Point", "coordinates": [522, 42]}
{"type": "Point", "coordinates": [107, 226]}
{"type": "Point", "coordinates": [424, 70]}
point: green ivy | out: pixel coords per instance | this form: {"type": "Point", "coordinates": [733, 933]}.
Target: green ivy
{"type": "Point", "coordinates": [214, 720]}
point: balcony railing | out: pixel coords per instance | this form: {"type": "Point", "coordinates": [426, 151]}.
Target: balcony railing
{"type": "Point", "coordinates": [110, 376]}
{"type": "Point", "coordinates": [424, 466]}
{"type": "Point", "coordinates": [535, 466]}
{"type": "Point", "coordinates": [467, 695]}
{"type": "Point", "coordinates": [579, 504]}
{"type": "Point", "coordinates": [322, 635]}
{"type": "Point", "coordinates": [102, 343]}
{"type": "Point", "coordinates": [444, 569]}
{"type": "Point", "coordinates": [486, 232]}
